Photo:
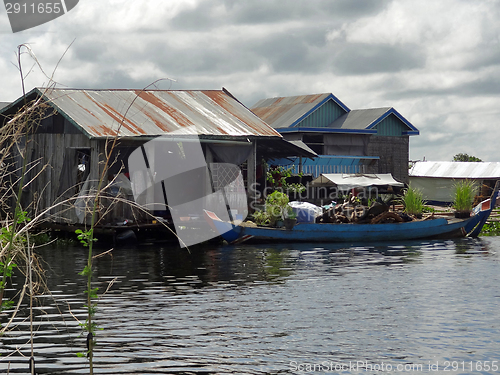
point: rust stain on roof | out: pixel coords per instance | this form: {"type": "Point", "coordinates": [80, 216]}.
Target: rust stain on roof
{"type": "Point", "coordinates": [124, 121]}
{"type": "Point", "coordinates": [82, 107]}
{"type": "Point", "coordinates": [312, 98]}
{"type": "Point", "coordinates": [103, 130]}
{"type": "Point", "coordinates": [131, 113]}
{"type": "Point", "coordinates": [178, 116]}
{"type": "Point", "coordinates": [116, 116]}
{"type": "Point", "coordinates": [228, 104]}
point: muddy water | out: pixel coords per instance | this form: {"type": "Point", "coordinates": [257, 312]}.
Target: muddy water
{"type": "Point", "coordinates": [382, 308]}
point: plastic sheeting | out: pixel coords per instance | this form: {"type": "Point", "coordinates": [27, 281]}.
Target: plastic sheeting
{"type": "Point", "coordinates": [349, 181]}
{"type": "Point", "coordinates": [306, 212]}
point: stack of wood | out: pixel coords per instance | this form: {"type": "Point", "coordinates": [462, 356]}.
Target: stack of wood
{"type": "Point", "coordinates": [351, 212]}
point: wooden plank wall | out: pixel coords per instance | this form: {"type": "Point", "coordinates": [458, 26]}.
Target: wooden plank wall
{"type": "Point", "coordinates": [48, 152]}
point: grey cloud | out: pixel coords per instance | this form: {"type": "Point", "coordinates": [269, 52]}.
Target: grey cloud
{"type": "Point", "coordinates": [275, 11]}
{"type": "Point", "coordinates": [210, 61]}
{"type": "Point", "coordinates": [362, 58]}
{"type": "Point", "coordinates": [200, 18]}
{"type": "Point", "coordinates": [293, 52]}
{"type": "Point", "coordinates": [485, 55]}
{"type": "Point", "coordinates": [109, 78]}
{"type": "Point", "coordinates": [88, 49]}
{"type": "Point", "coordinates": [483, 86]}
{"type": "Point", "coordinates": [285, 52]}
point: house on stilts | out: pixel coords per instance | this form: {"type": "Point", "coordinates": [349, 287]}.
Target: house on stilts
{"type": "Point", "coordinates": [73, 132]}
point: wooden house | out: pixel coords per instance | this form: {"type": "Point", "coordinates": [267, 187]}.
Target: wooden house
{"type": "Point", "coordinates": [73, 131]}
{"type": "Point", "coordinates": [347, 141]}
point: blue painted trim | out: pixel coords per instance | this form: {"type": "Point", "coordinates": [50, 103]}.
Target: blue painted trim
{"type": "Point", "coordinates": [392, 111]}
{"type": "Point", "coordinates": [327, 130]}
{"type": "Point", "coordinates": [347, 157]}
{"type": "Point", "coordinates": [330, 96]}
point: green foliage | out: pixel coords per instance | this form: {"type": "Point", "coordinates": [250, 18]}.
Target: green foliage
{"type": "Point", "coordinates": [6, 269]}
{"type": "Point", "coordinates": [428, 209]}
{"type": "Point", "coordinates": [463, 196]}
{"type": "Point", "coordinates": [413, 201]}
{"type": "Point", "coordinates": [261, 218]}
{"type": "Point", "coordinates": [276, 205]}
{"type": "Point", "coordinates": [465, 157]}
{"type": "Point", "coordinates": [491, 229]}
{"type": "Point", "coordinates": [290, 213]}
{"type": "Point", "coordinates": [277, 178]}
{"type": "Point", "coordinates": [22, 217]}
{"type": "Point", "coordinates": [39, 238]}
{"type": "Point", "coordinates": [85, 237]}
{"type": "Point", "coordinates": [90, 326]}
{"type": "Point", "coordinates": [87, 271]}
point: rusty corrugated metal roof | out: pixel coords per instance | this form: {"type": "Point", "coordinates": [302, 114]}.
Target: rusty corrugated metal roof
{"type": "Point", "coordinates": [156, 112]}
{"type": "Point", "coordinates": [284, 112]}
{"type": "Point", "coordinates": [456, 169]}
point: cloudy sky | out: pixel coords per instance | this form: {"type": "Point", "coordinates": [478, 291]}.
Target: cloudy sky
{"type": "Point", "coordinates": [436, 62]}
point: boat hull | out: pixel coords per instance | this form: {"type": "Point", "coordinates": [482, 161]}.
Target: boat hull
{"type": "Point", "coordinates": [314, 232]}
{"type": "Point", "coordinates": [348, 232]}
{"type": "Point", "coordinates": [439, 227]}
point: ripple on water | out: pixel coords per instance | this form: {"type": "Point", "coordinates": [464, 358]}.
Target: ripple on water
{"type": "Point", "coordinates": [255, 309]}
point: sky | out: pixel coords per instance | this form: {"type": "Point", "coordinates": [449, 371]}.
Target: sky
{"type": "Point", "coordinates": [436, 62]}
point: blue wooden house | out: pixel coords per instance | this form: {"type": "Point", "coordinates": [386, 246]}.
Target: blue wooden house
{"type": "Point", "coordinates": [347, 141]}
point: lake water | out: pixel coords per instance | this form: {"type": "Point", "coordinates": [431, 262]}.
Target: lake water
{"type": "Point", "coordinates": [416, 307]}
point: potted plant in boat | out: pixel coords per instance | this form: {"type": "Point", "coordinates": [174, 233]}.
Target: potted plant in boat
{"type": "Point", "coordinates": [413, 202]}
{"type": "Point", "coordinates": [276, 206]}
{"type": "Point", "coordinates": [463, 196]}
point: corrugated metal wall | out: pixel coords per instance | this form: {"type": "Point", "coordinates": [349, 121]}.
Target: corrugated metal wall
{"type": "Point", "coordinates": [391, 126]}
{"type": "Point", "coordinates": [323, 116]}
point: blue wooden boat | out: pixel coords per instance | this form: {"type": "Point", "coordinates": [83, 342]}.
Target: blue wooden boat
{"type": "Point", "coordinates": [417, 229]}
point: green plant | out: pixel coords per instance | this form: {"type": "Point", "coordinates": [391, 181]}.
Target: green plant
{"type": "Point", "coordinates": [463, 196]}
{"type": "Point", "coordinates": [261, 217]}
{"type": "Point", "coordinates": [87, 239]}
{"type": "Point", "coordinates": [277, 178]}
{"type": "Point", "coordinates": [413, 201]}
{"type": "Point", "coordinates": [276, 204]}
{"type": "Point", "coordinates": [290, 213]}
{"type": "Point", "coordinates": [491, 229]}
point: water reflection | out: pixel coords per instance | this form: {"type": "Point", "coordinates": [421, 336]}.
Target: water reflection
{"type": "Point", "coordinates": [254, 309]}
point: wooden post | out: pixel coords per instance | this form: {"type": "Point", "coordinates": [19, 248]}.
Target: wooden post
{"type": "Point", "coordinates": [252, 176]}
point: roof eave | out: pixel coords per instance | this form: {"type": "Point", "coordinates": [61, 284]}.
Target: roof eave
{"type": "Point", "coordinates": [326, 130]}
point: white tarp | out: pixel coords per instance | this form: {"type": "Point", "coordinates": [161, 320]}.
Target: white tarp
{"type": "Point", "coordinates": [345, 181]}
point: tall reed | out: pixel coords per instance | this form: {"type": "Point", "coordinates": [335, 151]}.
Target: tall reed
{"type": "Point", "coordinates": [413, 201]}
{"type": "Point", "coordinates": [463, 195]}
